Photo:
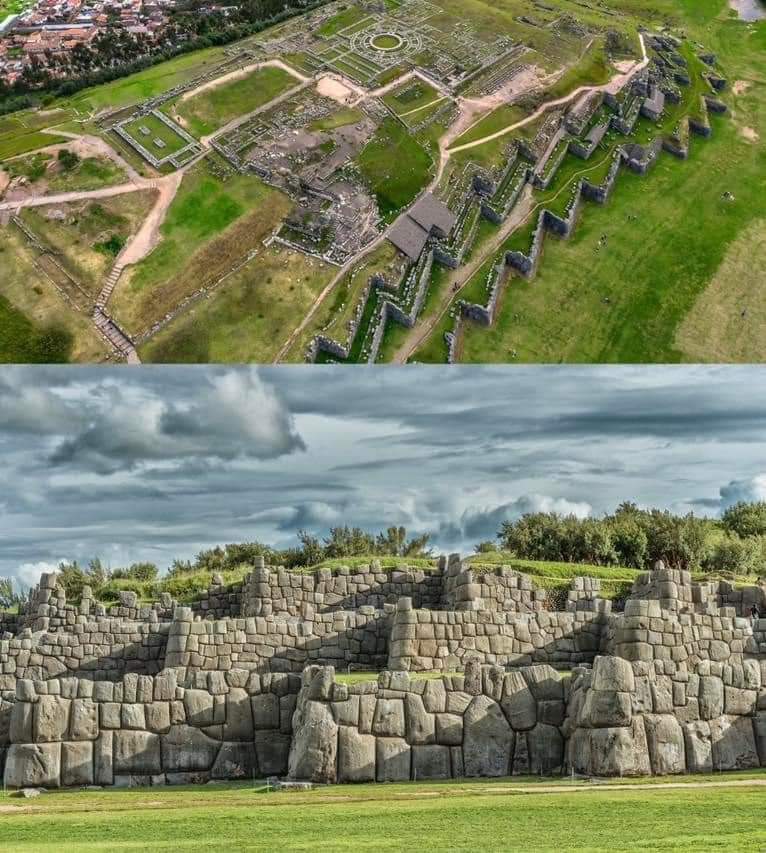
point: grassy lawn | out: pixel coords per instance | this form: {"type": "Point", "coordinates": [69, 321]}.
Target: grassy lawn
{"type": "Point", "coordinates": [36, 325]}
{"type": "Point", "coordinates": [459, 815]}
{"type": "Point", "coordinates": [158, 131]}
{"type": "Point", "coordinates": [204, 113]}
{"type": "Point", "coordinates": [412, 95]}
{"type": "Point", "coordinates": [87, 235]}
{"type": "Point", "coordinates": [90, 173]}
{"type": "Point", "coordinates": [248, 318]}
{"type": "Point", "coordinates": [14, 143]}
{"type": "Point", "coordinates": [210, 228]}
{"type": "Point", "coordinates": [396, 167]}
{"type": "Point", "coordinates": [341, 118]}
{"type": "Point", "coordinates": [343, 19]}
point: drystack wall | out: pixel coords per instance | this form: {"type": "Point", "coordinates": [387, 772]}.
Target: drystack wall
{"type": "Point", "coordinates": [633, 719]}
{"type": "Point", "coordinates": [278, 644]}
{"type": "Point", "coordinates": [268, 592]}
{"type": "Point", "coordinates": [149, 731]}
{"type": "Point", "coordinates": [485, 723]}
{"type": "Point", "coordinates": [500, 590]}
{"type": "Point", "coordinates": [424, 640]}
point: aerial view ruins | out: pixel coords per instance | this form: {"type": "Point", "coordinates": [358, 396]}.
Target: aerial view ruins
{"type": "Point", "coordinates": [398, 181]}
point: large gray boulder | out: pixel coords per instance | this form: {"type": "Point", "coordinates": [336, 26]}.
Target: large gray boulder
{"type": "Point", "coordinates": [612, 673]}
{"type": "Point", "coordinates": [21, 722]}
{"type": "Point", "coordinates": [734, 745]}
{"type": "Point", "coordinates": [544, 682]}
{"type": "Point", "coordinates": [77, 763]}
{"type": "Point", "coordinates": [314, 749]}
{"type": "Point", "coordinates": [606, 709]}
{"type": "Point", "coordinates": [699, 747]}
{"type": "Point", "coordinates": [710, 697]}
{"type": "Point", "coordinates": [356, 756]}
{"type": "Point", "coordinates": [666, 744]}
{"type": "Point", "coordinates": [431, 762]}
{"type": "Point", "coordinates": [421, 726]}
{"type": "Point", "coordinates": [739, 702]}
{"type": "Point", "coordinates": [518, 703]}
{"type": "Point", "coordinates": [239, 716]}
{"type": "Point", "coordinates": [186, 749]}
{"type": "Point", "coordinates": [620, 751]}
{"type": "Point", "coordinates": [759, 730]}
{"type": "Point", "coordinates": [51, 718]}
{"type": "Point", "coordinates": [235, 761]}
{"type": "Point", "coordinates": [84, 723]}
{"type": "Point", "coordinates": [388, 720]}
{"type": "Point", "coordinates": [487, 739]}
{"type": "Point", "coordinates": [33, 765]}
{"type": "Point", "coordinates": [136, 753]}
{"type": "Point", "coordinates": [546, 750]}
{"type": "Point", "coordinates": [266, 711]}
{"type": "Point", "coordinates": [198, 705]}
{"type": "Point", "coordinates": [272, 748]}
{"type": "Point", "coordinates": [393, 759]}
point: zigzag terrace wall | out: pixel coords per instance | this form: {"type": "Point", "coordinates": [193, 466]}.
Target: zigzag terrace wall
{"type": "Point", "coordinates": [104, 699]}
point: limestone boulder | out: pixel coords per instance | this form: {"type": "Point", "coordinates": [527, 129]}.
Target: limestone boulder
{"type": "Point", "coordinates": [393, 759]}
{"type": "Point", "coordinates": [759, 731]}
{"type": "Point", "coordinates": [613, 673]}
{"type": "Point", "coordinates": [388, 720]}
{"type": "Point", "coordinates": [738, 701]}
{"type": "Point", "coordinates": [620, 751]}
{"type": "Point", "coordinates": [518, 703]}
{"type": "Point", "coordinates": [356, 756]}
{"type": "Point", "coordinates": [431, 762]}
{"type": "Point", "coordinates": [239, 715]}
{"type": "Point", "coordinates": [710, 697]}
{"type": "Point", "coordinates": [314, 749]}
{"type": "Point", "coordinates": [266, 711]}
{"type": "Point", "coordinates": [487, 739]}
{"type": "Point", "coordinates": [272, 748]}
{"type": "Point", "coordinates": [21, 722]}
{"type": "Point", "coordinates": [734, 746]}
{"type": "Point", "coordinates": [666, 744]}
{"type": "Point", "coordinates": [235, 760]}
{"type": "Point", "coordinates": [198, 705]}
{"type": "Point", "coordinates": [449, 729]}
{"type": "Point", "coordinates": [546, 750]}
{"type": "Point", "coordinates": [84, 723]}
{"type": "Point", "coordinates": [186, 749]}
{"type": "Point", "coordinates": [77, 763]}
{"type": "Point", "coordinates": [51, 718]}
{"type": "Point", "coordinates": [33, 765]}
{"type": "Point", "coordinates": [420, 725]}
{"type": "Point", "coordinates": [699, 747]}
{"type": "Point", "coordinates": [606, 708]}
{"type": "Point", "coordinates": [544, 682]}
{"type": "Point", "coordinates": [136, 753]}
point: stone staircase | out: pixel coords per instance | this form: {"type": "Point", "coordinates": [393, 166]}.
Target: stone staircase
{"type": "Point", "coordinates": [109, 285]}
{"type": "Point", "coordinates": [114, 335]}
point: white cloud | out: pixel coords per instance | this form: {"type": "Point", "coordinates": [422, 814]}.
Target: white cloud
{"type": "Point", "coordinates": [28, 574]}
{"type": "Point", "coordinates": [750, 489]}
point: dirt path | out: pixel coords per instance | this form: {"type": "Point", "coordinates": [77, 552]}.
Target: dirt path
{"type": "Point", "coordinates": [148, 235]}
{"type": "Point", "coordinates": [78, 195]}
{"type": "Point", "coordinates": [460, 277]}
{"type": "Point", "coordinates": [613, 86]}
{"type": "Point", "coordinates": [86, 145]}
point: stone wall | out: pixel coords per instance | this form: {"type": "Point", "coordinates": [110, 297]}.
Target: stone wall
{"type": "Point", "coordinates": [628, 719]}
{"type": "Point", "coordinates": [269, 592]}
{"type": "Point", "coordinates": [347, 639]}
{"type": "Point", "coordinates": [485, 723]}
{"type": "Point", "coordinates": [424, 640]}
{"type": "Point", "coordinates": [503, 588]}
{"type": "Point", "coordinates": [146, 730]}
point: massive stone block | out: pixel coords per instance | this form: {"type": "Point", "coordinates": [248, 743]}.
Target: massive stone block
{"type": "Point", "coordinates": [711, 697]}
{"type": "Point", "coordinates": [239, 715]}
{"type": "Point", "coordinates": [77, 763]}
{"type": "Point", "coordinates": [666, 744]}
{"type": "Point", "coordinates": [421, 726]}
{"type": "Point", "coordinates": [393, 759]}
{"type": "Point", "coordinates": [734, 745]}
{"type": "Point", "coordinates": [606, 708]}
{"type": "Point", "coordinates": [487, 740]}
{"type": "Point", "coordinates": [518, 703]}
{"type": "Point", "coordinates": [21, 722]}
{"type": "Point", "coordinates": [618, 751]}
{"type": "Point", "coordinates": [185, 749]}
{"type": "Point", "coordinates": [272, 749]}
{"type": "Point", "coordinates": [612, 673]}
{"type": "Point", "coordinates": [699, 747]}
{"type": "Point", "coordinates": [356, 756]}
{"type": "Point", "coordinates": [759, 730]}
{"type": "Point", "coordinates": [136, 753]}
{"type": "Point", "coordinates": [431, 762]}
{"type": "Point", "coordinates": [51, 718]}
{"type": "Point", "coordinates": [198, 705]}
{"type": "Point", "coordinates": [84, 724]}
{"type": "Point", "coordinates": [265, 711]}
{"type": "Point", "coordinates": [314, 750]}
{"type": "Point", "coordinates": [235, 761]}
{"type": "Point", "coordinates": [546, 749]}
{"type": "Point", "coordinates": [32, 765]}
{"type": "Point", "coordinates": [388, 720]}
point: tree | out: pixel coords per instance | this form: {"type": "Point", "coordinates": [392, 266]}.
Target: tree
{"type": "Point", "coordinates": [745, 519]}
{"type": "Point", "coordinates": [9, 599]}
{"type": "Point", "coordinates": [138, 571]}
{"type": "Point", "coordinates": [68, 160]}
{"type": "Point", "coordinates": [732, 554]}
{"type": "Point", "coordinates": [486, 547]}
{"type": "Point", "coordinates": [394, 542]}
{"type": "Point", "coordinates": [348, 542]}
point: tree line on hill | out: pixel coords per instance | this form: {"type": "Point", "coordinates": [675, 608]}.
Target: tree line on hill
{"type": "Point", "coordinates": [637, 538]}
{"type": "Point", "coordinates": [116, 53]}
{"type": "Point", "coordinates": [630, 536]}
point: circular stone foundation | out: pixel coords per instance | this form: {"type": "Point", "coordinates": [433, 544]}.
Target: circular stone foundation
{"type": "Point", "coordinates": [386, 42]}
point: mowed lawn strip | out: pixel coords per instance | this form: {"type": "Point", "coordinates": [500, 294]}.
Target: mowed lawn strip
{"type": "Point", "coordinates": [210, 110]}
{"type": "Point", "coordinates": [395, 166]}
{"type": "Point", "coordinates": [452, 816]}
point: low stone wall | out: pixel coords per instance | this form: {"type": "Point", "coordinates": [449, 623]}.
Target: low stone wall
{"type": "Point", "coordinates": [147, 730]}
{"type": "Point", "coordinates": [268, 592]}
{"type": "Point", "coordinates": [424, 640]}
{"type": "Point", "coordinates": [504, 589]}
{"type": "Point", "coordinates": [274, 643]}
{"type": "Point", "coordinates": [485, 723]}
{"type": "Point", "coordinates": [628, 719]}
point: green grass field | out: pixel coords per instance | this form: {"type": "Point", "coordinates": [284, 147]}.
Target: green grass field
{"type": "Point", "coordinates": [463, 815]}
{"type": "Point", "coordinates": [158, 130]}
{"type": "Point", "coordinates": [207, 111]}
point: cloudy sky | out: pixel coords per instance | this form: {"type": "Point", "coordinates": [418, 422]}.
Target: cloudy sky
{"type": "Point", "coordinates": [158, 463]}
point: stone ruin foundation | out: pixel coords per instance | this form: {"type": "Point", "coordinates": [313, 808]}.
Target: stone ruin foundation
{"type": "Point", "coordinates": [241, 684]}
